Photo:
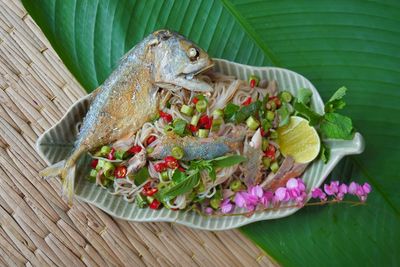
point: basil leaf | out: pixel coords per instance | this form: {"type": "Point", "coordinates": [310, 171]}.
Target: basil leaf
{"type": "Point", "coordinates": [183, 187]}
{"type": "Point", "coordinates": [304, 96]}
{"type": "Point", "coordinates": [336, 126]}
{"type": "Point", "coordinates": [313, 117]}
{"type": "Point", "coordinates": [336, 102]}
{"type": "Point", "coordinates": [227, 161]}
{"type": "Point", "coordinates": [141, 176]}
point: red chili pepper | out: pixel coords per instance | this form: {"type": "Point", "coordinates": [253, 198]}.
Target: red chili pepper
{"type": "Point", "coordinates": [165, 116]}
{"type": "Point", "coordinates": [192, 128]}
{"type": "Point", "coordinates": [149, 192]}
{"type": "Point", "coordinates": [171, 162]}
{"type": "Point", "coordinates": [150, 139]}
{"type": "Point", "coordinates": [160, 167]}
{"type": "Point", "coordinates": [270, 152]}
{"type": "Point", "coordinates": [205, 122]}
{"type": "Point", "coordinates": [94, 162]}
{"type": "Point", "coordinates": [147, 186]}
{"type": "Point", "coordinates": [135, 149]}
{"type": "Point", "coordinates": [276, 100]}
{"type": "Point", "coordinates": [155, 204]}
{"type": "Point", "coordinates": [181, 168]}
{"type": "Point", "coordinates": [247, 101]}
{"type": "Point", "coordinates": [252, 83]}
{"type": "Point", "coordinates": [195, 100]}
{"type": "Point", "coordinates": [120, 172]}
{"type": "Point", "coordinates": [111, 155]}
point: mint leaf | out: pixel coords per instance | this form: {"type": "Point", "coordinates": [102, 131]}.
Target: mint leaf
{"type": "Point", "coordinates": [313, 117]}
{"type": "Point", "coordinates": [176, 189]}
{"type": "Point", "coordinates": [141, 176]}
{"type": "Point", "coordinates": [336, 126]}
{"type": "Point", "coordinates": [336, 102]}
{"type": "Point", "coordinates": [304, 96]}
{"type": "Point", "coordinates": [324, 153]}
{"type": "Point", "coordinates": [227, 161]}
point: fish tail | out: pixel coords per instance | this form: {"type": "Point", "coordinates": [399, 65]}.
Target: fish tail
{"type": "Point", "coordinates": [65, 169]}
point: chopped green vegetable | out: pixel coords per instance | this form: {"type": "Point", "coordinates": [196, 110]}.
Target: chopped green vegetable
{"type": "Point", "coordinates": [271, 105]}
{"type": "Point", "coordinates": [283, 114]}
{"type": "Point", "coordinates": [201, 106]}
{"type": "Point", "coordinates": [120, 154]}
{"type": "Point", "coordinates": [304, 96]}
{"type": "Point", "coordinates": [105, 150]}
{"type": "Point", "coordinates": [270, 115]}
{"type": "Point", "coordinates": [216, 123]}
{"type": "Point", "coordinates": [218, 113]}
{"type": "Point", "coordinates": [286, 96]}
{"type": "Point", "coordinates": [164, 176]}
{"type": "Point", "coordinates": [203, 133]}
{"type": "Point", "coordinates": [195, 120]}
{"type": "Point", "coordinates": [336, 126]}
{"type": "Point", "coordinates": [265, 144]}
{"type": "Point", "coordinates": [266, 162]}
{"type": "Point", "coordinates": [140, 202]}
{"type": "Point", "coordinates": [266, 124]}
{"type": "Point", "coordinates": [177, 152]}
{"type": "Point", "coordinates": [187, 110]}
{"type": "Point", "coordinates": [149, 150]}
{"type": "Point", "coordinates": [178, 176]}
{"type": "Point", "coordinates": [252, 123]}
{"type": "Point", "coordinates": [179, 126]}
{"type": "Point", "coordinates": [100, 164]}
{"type": "Point", "coordinates": [236, 185]}
{"type": "Point", "coordinates": [215, 203]}
{"type": "Point", "coordinates": [108, 169]}
{"type": "Point", "coordinates": [92, 176]}
{"type": "Point", "coordinates": [141, 176]}
{"type": "Point", "coordinates": [274, 166]}
{"type": "Point", "coordinates": [273, 134]}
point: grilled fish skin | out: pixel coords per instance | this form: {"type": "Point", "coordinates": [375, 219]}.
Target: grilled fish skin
{"type": "Point", "coordinates": [130, 95]}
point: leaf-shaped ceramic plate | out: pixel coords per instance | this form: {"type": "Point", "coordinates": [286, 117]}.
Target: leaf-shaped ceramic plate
{"type": "Point", "coordinates": [55, 144]}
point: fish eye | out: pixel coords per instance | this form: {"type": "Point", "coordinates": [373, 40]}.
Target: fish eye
{"type": "Point", "coordinates": [193, 53]}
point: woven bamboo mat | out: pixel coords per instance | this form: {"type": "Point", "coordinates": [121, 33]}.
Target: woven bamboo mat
{"type": "Point", "coordinates": [36, 227]}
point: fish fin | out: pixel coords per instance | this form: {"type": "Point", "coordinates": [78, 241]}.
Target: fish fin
{"type": "Point", "coordinates": [53, 170]}
{"type": "Point", "coordinates": [69, 183]}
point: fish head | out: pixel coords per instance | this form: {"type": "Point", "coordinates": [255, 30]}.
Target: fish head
{"type": "Point", "coordinates": [177, 61]}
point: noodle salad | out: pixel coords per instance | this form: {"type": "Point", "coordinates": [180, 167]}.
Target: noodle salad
{"type": "Point", "coordinates": [210, 152]}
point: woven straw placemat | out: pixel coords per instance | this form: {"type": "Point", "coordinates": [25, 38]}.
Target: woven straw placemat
{"type": "Point", "coordinates": [37, 228]}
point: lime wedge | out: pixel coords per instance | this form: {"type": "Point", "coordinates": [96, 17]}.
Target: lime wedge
{"type": "Point", "coordinates": [299, 140]}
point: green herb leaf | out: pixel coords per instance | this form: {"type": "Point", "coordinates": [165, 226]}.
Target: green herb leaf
{"type": "Point", "coordinates": [336, 126]}
{"type": "Point", "coordinates": [324, 153]}
{"type": "Point", "coordinates": [227, 161]}
{"type": "Point", "coordinates": [230, 111]}
{"type": "Point", "coordinates": [303, 110]}
{"type": "Point", "coordinates": [336, 102]}
{"type": "Point", "coordinates": [240, 115]}
{"type": "Point", "coordinates": [141, 176]}
{"type": "Point", "coordinates": [178, 176]}
{"type": "Point", "coordinates": [180, 188]}
{"type": "Point", "coordinates": [304, 96]}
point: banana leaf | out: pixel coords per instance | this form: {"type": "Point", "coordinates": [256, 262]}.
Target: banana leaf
{"type": "Point", "coordinates": [351, 43]}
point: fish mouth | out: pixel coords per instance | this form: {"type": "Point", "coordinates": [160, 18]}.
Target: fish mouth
{"type": "Point", "coordinates": [189, 81]}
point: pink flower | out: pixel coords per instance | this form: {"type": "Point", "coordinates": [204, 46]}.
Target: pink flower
{"type": "Point", "coordinates": [266, 199]}
{"type": "Point", "coordinates": [343, 189]}
{"type": "Point", "coordinates": [208, 211]}
{"type": "Point", "coordinates": [226, 206]}
{"type": "Point", "coordinates": [352, 188]}
{"type": "Point", "coordinates": [367, 188]}
{"type": "Point", "coordinates": [246, 200]}
{"type": "Point", "coordinates": [292, 184]}
{"type": "Point", "coordinates": [301, 186]}
{"type": "Point", "coordinates": [318, 193]}
{"type": "Point", "coordinates": [256, 191]}
{"type": "Point", "coordinates": [332, 189]}
{"type": "Point", "coordinates": [281, 194]}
